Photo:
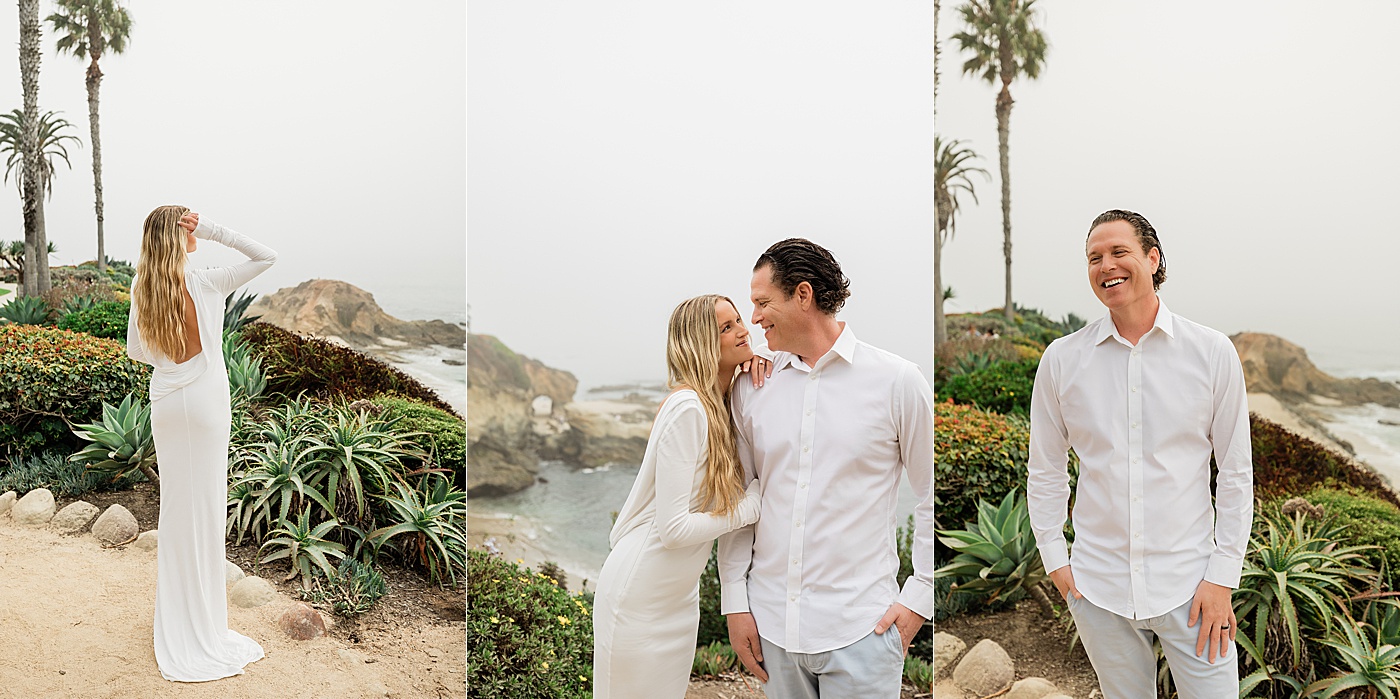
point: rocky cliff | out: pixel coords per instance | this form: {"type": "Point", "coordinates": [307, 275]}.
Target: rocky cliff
{"type": "Point", "coordinates": [342, 311]}
{"type": "Point", "coordinates": [1276, 366]}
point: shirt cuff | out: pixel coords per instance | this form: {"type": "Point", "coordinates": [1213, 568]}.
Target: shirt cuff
{"type": "Point", "coordinates": [204, 229]}
{"type": "Point", "coordinates": [734, 598]}
{"type": "Point", "coordinates": [1224, 571]}
{"type": "Point", "coordinates": [1054, 555]}
{"type": "Point", "coordinates": [918, 597]}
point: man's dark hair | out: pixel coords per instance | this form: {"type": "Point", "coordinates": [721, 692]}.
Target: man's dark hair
{"type": "Point", "coordinates": [1147, 236]}
{"type": "Point", "coordinates": [798, 260]}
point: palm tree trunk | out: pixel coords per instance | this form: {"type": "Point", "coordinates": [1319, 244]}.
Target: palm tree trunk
{"type": "Point", "coordinates": [1004, 150]}
{"type": "Point", "coordinates": [940, 321]}
{"type": "Point", "coordinates": [29, 55]}
{"type": "Point", "coordinates": [94, 84]}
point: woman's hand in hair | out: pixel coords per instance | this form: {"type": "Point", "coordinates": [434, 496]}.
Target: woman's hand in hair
{"type": "Point", "coordinates": [189, 221]}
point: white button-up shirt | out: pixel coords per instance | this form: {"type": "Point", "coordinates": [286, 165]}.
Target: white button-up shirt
{"type": "Point", "coordinates": [1144, 421]}
{"type": "Point", "coordinates": [827, 443]}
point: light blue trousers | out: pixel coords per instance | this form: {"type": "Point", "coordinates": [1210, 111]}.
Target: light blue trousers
{"type": "Point", "coordinates": [1121, 652]}
{"type": "Point", "coordinates": [870, 668]}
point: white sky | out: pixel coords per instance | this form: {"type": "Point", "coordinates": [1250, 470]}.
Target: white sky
{"type": "Point", "coordinates": [624, 156]}
{"type": "Point", "coordinates": [1257, 137]}
{"type": "Point", "coordinates": [334, 132]}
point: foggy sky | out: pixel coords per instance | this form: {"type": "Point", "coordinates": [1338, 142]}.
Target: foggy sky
{"type": "Point", "coordinates": [624, 156]}
{"type": "Point", "coordinates": [1258, 138]}
{"type": "Point", "coordinates": [332, 132]}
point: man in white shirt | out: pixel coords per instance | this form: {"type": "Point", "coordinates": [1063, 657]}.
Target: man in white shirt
{"type": "Point", "coordinates": [809, 591]}
{"type": "Point", "coordinates": [1144, 397]}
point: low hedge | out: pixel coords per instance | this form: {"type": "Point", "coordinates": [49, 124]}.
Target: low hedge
{"type": "Point", "coordinates": [446, 433]}
{"type": "Point", "coordinates": [105, 319]}
{"type": "Point", "coordinates": [977, 454]}
{"type": "Point", "coordinates": [1004, 387]}
{"type": "Point", "coordinates": [1370, 521]}
{"type": "Point", "coordinates": [1286, 464]}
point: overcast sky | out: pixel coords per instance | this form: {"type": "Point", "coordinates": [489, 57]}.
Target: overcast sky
{"type": "Point", "coordinates": [334, 132]}
{"type": "Point", "coordinates": [624, 156]}
{"type": "Point", "coordinates": [1258, 138]}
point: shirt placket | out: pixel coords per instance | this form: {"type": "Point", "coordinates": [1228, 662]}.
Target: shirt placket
{"type": "Point", "coordinates": [799, 507]}
{"type": "Point", "coordinates": [1136, 524]}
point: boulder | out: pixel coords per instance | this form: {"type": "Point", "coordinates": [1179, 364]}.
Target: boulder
{"type": "Point", "coordinates": [36, 508]}
{"type": "Point", "coordinates": [328, 307]}
{"type": "Point", "coordinates": [252, 591]}
{"type": "Point", "coordinates": [74, 518]}
{"type": "Point", "coordinates": [986, 669]}
{"type": "Point", "coordinates": [148, 540]}
{"type": "Point", "coordinates": [302, 623]}
{"type": "Point", "coordinates": [116, 526]}
{"type": "Point", "coordinates": [7, 501]}
{"type": "Point", "coordinates": [946, 689]}
{"type": "Point", "coordinates": [232, 573]}
{"type": "Point", "coordinates": [1274, 365]}
{"type": "Point", "coordinates": [946, 649]}
{"type": "Point", "coordinates": [1032, 688]}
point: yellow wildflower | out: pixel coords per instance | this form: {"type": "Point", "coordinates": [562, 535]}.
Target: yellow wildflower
{"type": "Point", "coordinates": [563, 620]}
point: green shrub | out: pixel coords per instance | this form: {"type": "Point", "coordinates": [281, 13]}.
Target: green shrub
{"type": "Point", "coordinates": [529, 638]}
{"type": "Point", "coordinates": [325, 370]}
{"type": "Point", "coordinates": [48, 376]}
{"type": "Point", "coordinates": [1004, 387]}
{"type": "Point", "coordinates": [54, 471]}
{"type": "Point", "coordinates": [351, 590]}
{"type": "Point", "coordinates": [1369, 521]}
{"type": "Point", "coordinates": [713, 626]}
{"type": "Point", "coordinates": [103, 319]}
{"type": "Point", "coordinates": [918, 672]}
{"type": "Point", "coordinates": [444, 434]}
{"type": "Point", "coordinates": [713, 659]}
{"type": "Point", "coordinates": [1286, 464]}
{"type": "Point", "coordinates": [978, 455]}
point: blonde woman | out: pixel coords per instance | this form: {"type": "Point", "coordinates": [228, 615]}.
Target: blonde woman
{"type": "Point", "coordinates": [689, 490]}
{"type": "Point", "coordinates": [176, 326]}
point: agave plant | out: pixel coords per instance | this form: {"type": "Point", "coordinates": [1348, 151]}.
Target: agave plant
{"type": "Point", "coordinates": [998, 551]}
{"type": "Point", "coordinates": [234, 310]}
{"type": "Point", "coordinates": [245, 374]}
{"type": "Point", "coordinates": [303, 545]}
{"type": "Point", "coordinates": [1373, 665]}
{"type": "Point", "coordinates": [26, 310]}
{"type": "Point", "coordinates": [78, 304]}
{"type": "Point", "coordinates": [121, 442]}
{"type": "Point", "coordinates": [433, 519]}
{"type": "Point", "coordinates": [271, 481]}
{"type": "Point", "coordinates": [1295, 577]}
{"type": "Point", "coordinates": [970, 363]}
{"type": "Point", "coordinates": [357, 454]}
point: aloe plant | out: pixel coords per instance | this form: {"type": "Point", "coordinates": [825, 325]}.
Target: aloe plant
{"type": "Point", "coordinates": [997, 552]}
{"type": "Point", "coordinates": [303, 545]}
{"type": "Point", "coordinates": [26, 310]}
{"type": "Point", "coordinates": [78, 304]}
{"type": "Point", "coordinates": [433, 517]}
{"type": "Point", "coordinates": [121, 441]}
{"type": "Point", "coordinates": [235, 308]}
{"type": "Point", "coordinates": [270, 482]}
{"type": "Point", "coordinates": [1373, 665]}
{"type": "Point", "coordinates": [246, 378]}
{"type": "Point", "coordinates": [357, 454]}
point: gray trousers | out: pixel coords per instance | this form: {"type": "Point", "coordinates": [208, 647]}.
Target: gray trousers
{"type": "Point", "coordinates": [1121, 652]}
{"type": "Point", "coordinates": [870, 668]}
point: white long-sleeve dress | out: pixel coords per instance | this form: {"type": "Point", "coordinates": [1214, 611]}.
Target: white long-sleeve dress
{"type": "Point", "coordinates": [647, 606]}
{"type": "Point", "coordinates": [190, 425]}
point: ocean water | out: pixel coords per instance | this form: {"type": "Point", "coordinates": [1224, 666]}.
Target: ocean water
{"type": "Point", "coordinates": [1373, 430]}
{"type": "Point", "coordinates": [572, 511]}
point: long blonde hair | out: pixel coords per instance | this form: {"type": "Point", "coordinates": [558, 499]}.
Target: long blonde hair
{"type": "Point", "coordinates": [160, 282]}
{"type": "Point", "coordinates": [692, 360]}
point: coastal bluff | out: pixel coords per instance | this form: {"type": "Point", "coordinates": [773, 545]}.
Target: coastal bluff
{"type": "Point", "coordinates": [520, 411]}
{"type": "Point", "coordinates": [341, 311]}
{"type": "Point", "coordinates": [1282, 369]}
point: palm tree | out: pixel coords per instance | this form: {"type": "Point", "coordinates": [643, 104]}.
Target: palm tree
{"type": "Point", "coordinates": [951, 169]}
{"type": "Point", "coordinates": [30, 187]}
{"type": "Point", "coordinates": [88, 28]}
{"type": "Point", "coordinates": [50, 146]}
{"type": "Point", "coordinates": [1003, 43]}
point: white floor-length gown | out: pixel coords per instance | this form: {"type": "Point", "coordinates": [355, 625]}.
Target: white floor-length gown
{"type": "Point", "coordinates": [647, 606]}
{"type": "Point", "coordinates": [190, 424]}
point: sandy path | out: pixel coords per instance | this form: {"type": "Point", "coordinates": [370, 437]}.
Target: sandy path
{"type": "Point", "coordinates": [75, 621]}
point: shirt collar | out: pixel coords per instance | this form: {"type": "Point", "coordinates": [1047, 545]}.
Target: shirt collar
{"type": "Point", "coordinates": [844, 347]}
{"type": "Point", "coordinates": [1164, 322]}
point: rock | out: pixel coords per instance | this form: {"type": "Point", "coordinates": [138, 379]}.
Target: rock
{"type": "Point", "coordinates": [986, 669]}
{"type": "Point", "coordinates": [503, 440]}
{"type": "Point", "coordinates": [116, 526]}
{"type": "Point", "coordinates": [74, 518]}
{"type": "Point", "coordinates": [327, 307]}
{"type": "Point", "coordinates": [375, 688]}
{"type": "Point", "coordinates": [352, 658]}
{"type": "Point", "coordinates": [1274, 365]}
{"type": "Point", "coordinates": [946, 649]}
{"type": "Point", "coordinates": [252, 591]}
{"type": "Point", "coordinates": [302, 623]}
{"type": "Point", "coordinates": [602, 432]}
{"type": "Point", "coordinates": [35, 508]}
{"type": "Point", "coordinates": [7, 501]}
{"type": "Point", "coordinates": [946, 689]}
{"type": "Point", "coordinates": [1032, 688]}
{"type": "Point", "coordinates": [148, 540]}
{"type": "Point", "coordinates": [232, 573]}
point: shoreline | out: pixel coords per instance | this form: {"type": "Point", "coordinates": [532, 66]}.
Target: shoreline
{"type": "Point", "coordinates": [1313, 421]}
{"type": "Point", "coordinates": [517, 538]}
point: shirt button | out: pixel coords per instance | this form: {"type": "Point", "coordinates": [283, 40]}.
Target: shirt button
{"type": "Point", "coordinates": [802, 485]}
{"type": "Point", "coordinates": [1135, 536]}
{"type": "Point", "coordinates": [798, 523]}
{"type": "Point", "coordinates": [806, 449]}
{"type": "Point", "coordinates": [1135, 425]}
{"type": "Point", "coordinates": [1137, 498]}
{"type": "Point", "coordinates": [1134, 389]}
{"type": "Point", "coordinates": [814, 378]}
{"type": "Point", "coordinates": [795, 561]}
{"type": "Point", "coordinates": [792, 597]}
{"type": "Point", "coordinates": [1136, 460]}
{"type": "Point", "coordinates": [1137, 569]}
{"type": "Point", "coordinates": [809, 412]}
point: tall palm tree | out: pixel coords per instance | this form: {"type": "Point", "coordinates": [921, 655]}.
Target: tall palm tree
{"type": "Point", "coordinates": [34, 235]}
{"type": "Point", "coordinates": [87, 29]}
{"type": "Point", "coordinates": [51, 138]}
{"type": "Point", "coordinates": [951, 175]}
{"type": "Point", "coordinates": [1003, 43]}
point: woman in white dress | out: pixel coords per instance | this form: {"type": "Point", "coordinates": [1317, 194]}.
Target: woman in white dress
{"type": "Point", "coordinates": [689, 491]}
{"type": "Point", "coordinates": [176, 326]}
